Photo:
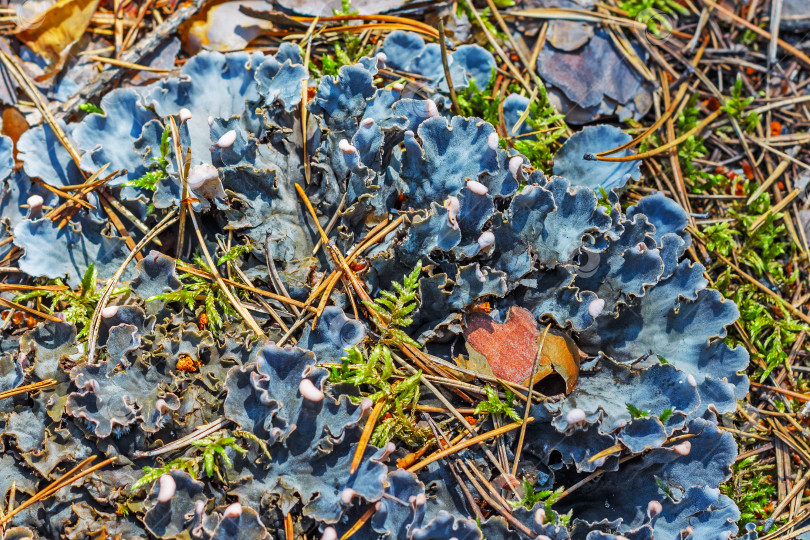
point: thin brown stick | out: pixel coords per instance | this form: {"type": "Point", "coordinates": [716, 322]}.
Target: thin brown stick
{"type": "Point", "coordinates": [127, 65]}
{"type": "Point", "coordinates": [14, 305]}
{"type": "Point", "coordinates": [237, 305]}
{"type": "Point", "coordinates": [289, 532]}
{"type": "Point", "coordinates": [95, 321]}
{"type": "Point", "coordinates": [208, 275]}
{"type": "Point", "coordinates": [65, 480]}
{"type": "Point", "coordinates": [446, 66]}
{"type": "Point", "coordinates": [40, 385]}
{"type": "Point", "coordinates": [359, 523]}
{"type": "Point", "coordinates": [119, 226]}
{"type": "Point", "coordinates": [663, 148]}
{"type": "Point", "coordinates": [466, 444]}
{"type": "Point", "coordinates": [427, 29]}
{"type": "Point", "coordinates": [366, 435]}
{"type": "Point", "coordinates": [529, 402]}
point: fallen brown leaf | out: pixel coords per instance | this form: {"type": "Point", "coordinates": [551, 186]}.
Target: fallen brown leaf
{"type": "Point", "coordinates": [55, 30]}
{"type": "Point", "coordinates": [508, 350]}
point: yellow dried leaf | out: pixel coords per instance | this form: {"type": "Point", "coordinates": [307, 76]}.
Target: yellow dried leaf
{"type": "Point", "coordinates": [55, 30]}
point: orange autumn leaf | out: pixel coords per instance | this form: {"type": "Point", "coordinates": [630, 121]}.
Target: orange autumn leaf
{"type": "Point", "coordinates": [51, 33]}
{"type": "Point", "coordinates": [508, 350]}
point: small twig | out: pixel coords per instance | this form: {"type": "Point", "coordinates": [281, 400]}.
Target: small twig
{"type": "Point", "coordinates": [773, 210]}
{"type": "Point", "coordinates": [366, 435]}
{"type": "Point", "coordinates": [65, 480]}
{"type": "Point", "coordinates": [199, 433]}
{"type": "Point", "coordinates": [463, 421]}
{"type": "Point", "coordinates": [237, 305]}
{"type": "Point", "coordinates": [41, 385]}
{"type": "Point", "coordinates": [529, 402]}
{"type": "Point", "coordinates": [95, 321]}
{"type": "Point", "coordinates": [493, 503]}
{"type": "Point", "coordinates": [446, 66]}
{"type": "Point", "coordinates": [661, 149]}
{"type": "Point", "coordinates": [359, 523]}
{"type": "Point", "coordinates": [289, 533]}
{"type": "Point", "coordinates": [181, 169]}
{"type": "Point", "coordinates": [274, 277]}
{"type": "Point", "coordinates": [14, 305]}
{"type": "Point", "coordinates": [467, 443]}
{"type": "Point", "coordinates": [127, 65]}
{"type": "Point", "coordinates": [208, 275]}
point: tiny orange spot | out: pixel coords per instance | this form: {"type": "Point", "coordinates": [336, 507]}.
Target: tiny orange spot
{"type": "Point", "coordinates": [482, 307]}
{"type": "Point", "coordinates": [358, 266]}
{"type": "Point", "coordinates": [747, 170]}
{"type": "Point", "coordinates": [776, 128]}
{"type": "Point", "coordinates": [712, 104]}
{"type": "Point", "coordinates": [18, 318]}
{"type": "Point", "coordinates": [471, 419]}
{"type": "Point", "coordinates": [202, 321]}
{"type": "Point", "coordinates": [187, 363]}
{"type": "Point", "coordinates": [30, 322]}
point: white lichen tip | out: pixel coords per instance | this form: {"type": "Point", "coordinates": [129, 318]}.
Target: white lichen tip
{"type": "Point", "coordinates": [540, 516]}
{"type": "Point", "coordinates": [200, 175]}
{"type": "Point", "coordinates": [654, 508]}
{"type": "Point", "coordinates": [309, 391]}
{"type": "Point", "coordinates": [691, 380]}
{"type": "Point", "coordinates": [683, 448]}
{"type": "Point", "coordinates": [329, 533]}
{"type": "Point", "coordinates": [162, 407]}
{"type": "Point", "coordinates": [203, 181]}
{"type": "Point", "coordinates": [109, 312]}
{"type": "Point", "coordinates": [210, 121]}
{"type": "Point", "coordinates": [542, 537]}
{"type": "Point", "coordinates": [185, 115]}
{"type": "Point", "coordinates": [389, 449]}
{"type": "Point", "coordinates": [432, 109]}
{"type": "Point", "coordinates": [346, 147]}
{"type": "Point", "coordinates": [486, 240]}
{"type": "Point", "coordinates": [381, 58]}
{"type": "Point", "coordinates": [595, 307]}
{"type": "Point", "coordinates": [367, 122]}
{"type": "Point", "coordinates": [347, 495]}
{"type": "Point", "coordinates": [167, 488]}
{"type": "Point", "coordinates": [227, 139]}
{"type": "Point", "coordinates": [516, 167]}
{"type": "Point", "coordinates": [397, 87]}
{"type": "Point", "coordinates": [477, 187]}
{"type": "Point", "coordinates": [453, 205]}
{"type": "Point", "coordinates": [575, 416]}
{"type": "Point", "coordinates": [233, 511]}
{"type": "Point", "coordinates": [35, 203]}
{"type": "Point", "coordinates": [366, 405]}
{"type": "Point", "coordinates": [493, 140]}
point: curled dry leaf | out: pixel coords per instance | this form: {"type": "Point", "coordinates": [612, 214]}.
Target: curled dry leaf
{"type": "Point", "coordinates": [52, 32]}
{"type": "Point", "coordinates": [508, 350]}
